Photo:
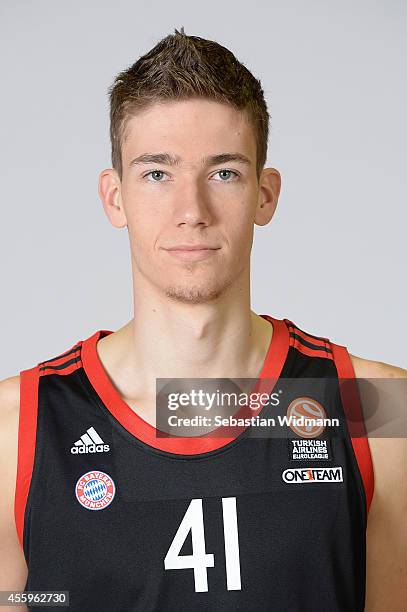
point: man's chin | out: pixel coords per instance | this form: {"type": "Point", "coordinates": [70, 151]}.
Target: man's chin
{"type": "Point", "coordinates": [194, 295]}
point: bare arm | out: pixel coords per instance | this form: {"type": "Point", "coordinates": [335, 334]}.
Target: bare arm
{"type": "Point", "coordinates": [13, 568]}
{"type": "Point", "coordinates": [386, 544]}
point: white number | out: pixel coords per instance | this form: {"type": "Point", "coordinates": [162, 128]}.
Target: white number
{"type": "Point", "coordinates": [231, 536]}
{"type": "Point", "coordinates": [200, 560]}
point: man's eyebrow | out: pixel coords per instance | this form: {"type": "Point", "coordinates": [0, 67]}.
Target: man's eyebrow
{"type": "Point", "coordinates": [170, 160]}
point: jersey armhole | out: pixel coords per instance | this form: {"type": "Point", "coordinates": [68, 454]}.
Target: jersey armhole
{"type": "Point", "coordinates": [354, 416]}
{"type": "Point", "coordinates": [27, 431]}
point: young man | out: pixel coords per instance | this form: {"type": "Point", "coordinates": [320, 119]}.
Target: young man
{"type": "Point", "coordinates": [99, 504]}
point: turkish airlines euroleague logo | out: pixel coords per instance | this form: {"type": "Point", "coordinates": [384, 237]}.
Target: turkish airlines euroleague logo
{"type": "Point", "coordinates": [304, 415]}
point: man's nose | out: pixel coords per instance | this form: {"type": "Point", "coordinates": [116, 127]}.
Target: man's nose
{"type": "Point", "coordinates": [192, 203]}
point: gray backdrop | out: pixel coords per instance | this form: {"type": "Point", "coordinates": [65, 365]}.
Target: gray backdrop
{"type": "Point", "coordinates": [333, 258]}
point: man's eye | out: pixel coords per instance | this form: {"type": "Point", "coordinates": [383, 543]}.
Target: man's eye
{"type": "Point", "coordinates": [160, 173]}
{"type": "Point", "coordinates": [228, 172]}
{"type": "Point", "coordinates": [155, 172]}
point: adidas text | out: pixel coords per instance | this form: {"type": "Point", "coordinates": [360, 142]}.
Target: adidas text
{"type": "Point", "coordinates": [92, 448]}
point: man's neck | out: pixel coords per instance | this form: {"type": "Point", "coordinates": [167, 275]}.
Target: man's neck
{"type": "Point", "coordinates": [233, 346]}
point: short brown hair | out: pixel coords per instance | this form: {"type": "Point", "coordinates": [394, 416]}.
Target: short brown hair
{"type": "Point", "coordinates": [182, 67]}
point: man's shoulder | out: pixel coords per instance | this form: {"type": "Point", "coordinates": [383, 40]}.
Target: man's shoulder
{"type": "Point", "coordinates": [379, 444]}
{"type": "Point", "coordinates": [389, 454]}
{"type": "Point", "coordinates": [9, 395]}
{"type": "Point", "coordinates": [367, 368]}
{"type": "Point", "coordinates": [9, 422]}
{"type": "Point", "coordinates": [9, 418]}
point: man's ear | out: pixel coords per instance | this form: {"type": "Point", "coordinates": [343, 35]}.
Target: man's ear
{"type": "Point", "coordinates": [110, 194]}
{"type": "Point", "coordinates": [269, 190]}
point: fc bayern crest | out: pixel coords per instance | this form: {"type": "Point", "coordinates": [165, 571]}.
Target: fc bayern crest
{"type": "Point", "coordinates": [95, 490]}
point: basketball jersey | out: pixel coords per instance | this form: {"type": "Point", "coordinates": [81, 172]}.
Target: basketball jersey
{"type": "Point", "coordinates": [126, 520]}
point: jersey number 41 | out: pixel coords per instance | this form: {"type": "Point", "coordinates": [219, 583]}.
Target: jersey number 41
{"type": "Point", "coordinates": [193, 522]}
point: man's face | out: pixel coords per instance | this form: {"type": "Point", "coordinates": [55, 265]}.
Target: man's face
{"type": "Point", "coordinates": [193, 202]}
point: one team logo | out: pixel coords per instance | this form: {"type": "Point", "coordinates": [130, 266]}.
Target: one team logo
{"type": "Point", "coordinates": [95, 490]}
{"type": "Point", "coordinates": [89, 442]}
{"type": "Point", "coordinates": [312, 474]}
{"type": "Point", "coordinates": [304, 416]}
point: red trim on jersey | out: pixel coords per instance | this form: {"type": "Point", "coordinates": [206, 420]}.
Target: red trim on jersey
{"type": "Point", "coordinates": [53, 366]}
{"type": "Point", "coordinates": [27, 429]}
{"type": "Point", "coordinates": [141, 429]}
{"type": "Point", "coordinates": [318, 340]}
{"type": "Point", "coordinates": [309, 352]}
{"type": "Point", "coordinates": [302, 337]}
{"type": "Point", "coordinates": [63, 371]}
{"type": "Point", "coordinates": [354, 416]}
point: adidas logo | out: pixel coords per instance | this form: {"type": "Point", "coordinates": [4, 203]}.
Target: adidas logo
{"type": "Point", "coordinates": [90, 442]}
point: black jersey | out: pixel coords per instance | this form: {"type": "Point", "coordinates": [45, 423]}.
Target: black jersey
{"type": "Point", "coordinates": [125, 520]}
